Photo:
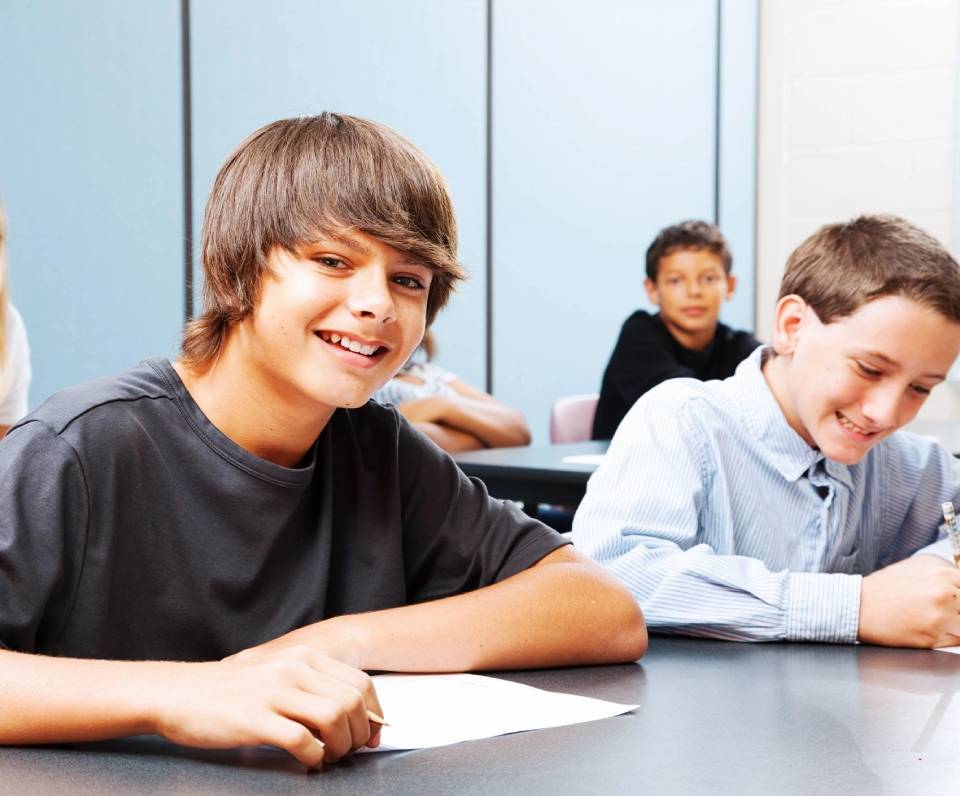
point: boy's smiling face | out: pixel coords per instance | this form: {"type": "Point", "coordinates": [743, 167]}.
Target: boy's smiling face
{"type": "Point", "coordinates": [336, 319]}
{"type": "Point", "coordinates": [846, 385]}
{"type": "Point", "coordinates": [690, 288]}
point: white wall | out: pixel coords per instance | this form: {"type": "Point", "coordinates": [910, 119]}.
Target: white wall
{"type": "Point", "coordinates": [858, 113]}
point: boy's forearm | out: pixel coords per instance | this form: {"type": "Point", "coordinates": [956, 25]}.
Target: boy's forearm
{"type": "Point", "coordinates": [562, 612]}
{"type": "Point", "coordinates": [48, 700]}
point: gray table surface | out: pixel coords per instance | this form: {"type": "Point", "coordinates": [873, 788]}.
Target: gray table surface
{"type": "Point", "coordinates": [714, 718]}
{"type": "Point", "coordinates": [534, 473]}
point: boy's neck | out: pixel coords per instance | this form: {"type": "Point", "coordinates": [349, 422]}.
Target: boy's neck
{"type": "Point", "coordinates": [692, 341]}
{"type": "Point", "coordinates": [244, 404]}
{"type": "Point", "coordinates": [774, 372]}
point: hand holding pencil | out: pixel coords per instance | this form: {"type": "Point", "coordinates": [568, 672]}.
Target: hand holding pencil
{"type": "Point", "coordinates": [953, 530]}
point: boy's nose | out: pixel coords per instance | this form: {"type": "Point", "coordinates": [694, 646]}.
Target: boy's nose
{"type": "Point", "coordinates": [370, 297]}
{"type": "Point", "coordinates": [883, 407]}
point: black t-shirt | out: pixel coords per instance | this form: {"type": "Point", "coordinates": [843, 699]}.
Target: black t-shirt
{"type": "Point", "coordinates": [131, 528]}
{"type": "Point", "coordinates": [647, 354]}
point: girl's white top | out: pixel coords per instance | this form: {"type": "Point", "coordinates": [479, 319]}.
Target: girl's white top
{"type": "Point", "coordinates": [15, 373]}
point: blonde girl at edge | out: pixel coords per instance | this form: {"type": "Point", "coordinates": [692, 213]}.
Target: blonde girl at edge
{"type": "Point", "coordinates": [14, 351]}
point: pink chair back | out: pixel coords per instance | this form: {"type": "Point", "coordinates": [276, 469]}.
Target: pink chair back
{"type": "Point", "coordinates": [571, 418]}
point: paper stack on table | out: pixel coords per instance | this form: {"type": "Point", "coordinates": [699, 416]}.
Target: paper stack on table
{"type": "Point", "coordinates": [425, 710]}
{"type": "Point", "coordinates": [954, 650]}
{"type": "Point", "coordinates": [584, 458]}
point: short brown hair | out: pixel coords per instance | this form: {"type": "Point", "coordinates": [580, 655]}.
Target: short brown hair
{"type": "Point", "coordinates": [298, 179]}
{"type": "Point", "coordinates": [843, 266]}
{"type": "Point", "coordinates": [687, 235]}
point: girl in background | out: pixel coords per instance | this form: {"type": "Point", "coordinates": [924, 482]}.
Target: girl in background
{"type": "Point", "coordinates": [14, 351]}
{"type": "Point", "coordinates": [456, 416]}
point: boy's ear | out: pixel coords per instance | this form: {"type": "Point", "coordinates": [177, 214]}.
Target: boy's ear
{"type": "Point", "coordinates": [787, 322]}
{"type": "Point", "coordinates": [652, 293]}
{"type": "Point", "coordinates": [731, 286]}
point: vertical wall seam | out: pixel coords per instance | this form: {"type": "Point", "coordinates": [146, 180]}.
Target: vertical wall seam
{"type": "Point", "coordinates": [756, 173]}
{"type": "Point", "coordinates": [717, 122]}
{"type": "Point", "coordinates": [489, 200]}
{"type": "Point", "coordinates": [187, 160]}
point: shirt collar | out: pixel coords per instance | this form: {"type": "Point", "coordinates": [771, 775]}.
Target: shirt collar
{"type": "Point", "coordinates": [764, 420]}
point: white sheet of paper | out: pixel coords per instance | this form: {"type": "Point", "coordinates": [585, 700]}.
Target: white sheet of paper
{"type": "Point", "coordinates": [425, 710]}
{"type": "Point", "coordinates": [584, 458]}
{"type": "Point", "coordinates": [954, 650]}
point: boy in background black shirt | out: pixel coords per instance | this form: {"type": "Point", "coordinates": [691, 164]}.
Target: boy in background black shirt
{"type": "Point", "coordinates": [688, 277]}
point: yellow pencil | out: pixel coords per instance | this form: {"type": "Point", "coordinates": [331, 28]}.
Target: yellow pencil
{"type": "Point", "coordinates": [377, 719]}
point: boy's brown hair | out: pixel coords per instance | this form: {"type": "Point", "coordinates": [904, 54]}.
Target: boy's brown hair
{"type": "Point", "coordinates": [298, 179]}
{"type": "Point", "coordinates": [687, 235]}
{"type": "Point", "coordinates": [841, 267]}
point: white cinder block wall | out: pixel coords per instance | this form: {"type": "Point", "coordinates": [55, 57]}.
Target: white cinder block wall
{"type": "Point", "coordinates": [858, 112]}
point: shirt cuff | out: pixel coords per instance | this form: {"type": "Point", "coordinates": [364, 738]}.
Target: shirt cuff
{"type": "Point", "coordinates": [823, 607]}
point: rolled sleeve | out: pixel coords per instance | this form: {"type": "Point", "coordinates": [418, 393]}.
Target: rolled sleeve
{"type": "Point", "coordinates": [823, 607]}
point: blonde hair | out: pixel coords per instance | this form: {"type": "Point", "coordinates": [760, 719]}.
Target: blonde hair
{"type": "Point", "coordinates": [3, 292]}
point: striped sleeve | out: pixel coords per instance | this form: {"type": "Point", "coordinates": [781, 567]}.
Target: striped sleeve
{"type": "Point", "coordinates": [642, 516]}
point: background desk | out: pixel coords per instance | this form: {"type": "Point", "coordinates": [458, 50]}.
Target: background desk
{"type": "Point", "coordinates": [714, 718]}
{"type": "Point", "coordinates": [533, 474]}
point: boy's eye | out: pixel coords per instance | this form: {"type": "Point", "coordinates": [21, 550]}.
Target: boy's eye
{"type": "Point", "coordinates": [329, 261]}
{"type": "Point", "coordinates": [408, 281]}
{"type": "Point", "coordinates": [709, 279]}
{"type": "Point", "coordinates": [870, 373]}
{"type": "Point", "coordinates": [919, 389]}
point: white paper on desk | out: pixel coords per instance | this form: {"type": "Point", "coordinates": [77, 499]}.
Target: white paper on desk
{"type": "Point", "coordinates": [425, 710]}
{"type": "Point", "coordinates": [954, 650]}
{"type": "Point", "coordinates": [584, 458]}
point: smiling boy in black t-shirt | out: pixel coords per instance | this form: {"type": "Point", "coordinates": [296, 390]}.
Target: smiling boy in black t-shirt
{"type": "Point", "coordinates": [216, 549]}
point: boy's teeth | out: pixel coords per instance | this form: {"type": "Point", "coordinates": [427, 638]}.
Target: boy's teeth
{"type": "Point", "coordinates": [852, 426]}
{"type": "Point", "coordinates": [351, 345]}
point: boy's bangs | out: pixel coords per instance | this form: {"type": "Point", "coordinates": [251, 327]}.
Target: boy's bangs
{"type": "Point", "coordinates": [373, 184]}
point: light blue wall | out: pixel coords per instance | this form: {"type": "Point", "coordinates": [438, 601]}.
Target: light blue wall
{"type": "Point", "coordinates": [90, 171]}
{"type": "Point", "coordinates": [604, 122]}
{"type": "Point", "coordinates": [418, 66]}
{"type": "Point", "coordinates": [604, 132]}
{"type": "Point", "coordinates": [738, 151]}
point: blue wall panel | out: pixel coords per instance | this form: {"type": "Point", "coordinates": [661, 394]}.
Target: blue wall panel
{"type": "Point", "coordinates": [418, 66]}
{"type": "Point", "coordinates": [738, 152]}
{"type": "Point", "coordinates": [604, 132]}
{"type": "Point", "coordinates": [91, 174]}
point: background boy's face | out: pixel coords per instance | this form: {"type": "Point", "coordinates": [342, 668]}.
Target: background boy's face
{"type": "Point", "coordinates": [337, 319]}
{"type": "Point", "coordinates": [691, 285]}
{"type": "Point", "coordinates": [846, 385]}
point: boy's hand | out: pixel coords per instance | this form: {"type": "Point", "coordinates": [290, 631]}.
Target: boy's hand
{"type": "Point", "coordinates": [285, 697]}
{"type": "Point", "coordinates": [913, 603]}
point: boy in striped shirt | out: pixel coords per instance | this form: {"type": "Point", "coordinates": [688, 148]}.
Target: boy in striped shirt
{"type": "Point", "coordinates": [783, 503]}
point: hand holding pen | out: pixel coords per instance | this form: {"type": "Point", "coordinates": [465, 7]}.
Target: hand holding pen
{"type": "Point", "coordinates": [953, 530]}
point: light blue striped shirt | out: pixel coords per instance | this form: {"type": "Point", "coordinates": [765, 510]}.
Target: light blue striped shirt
{"type": "Point", "coordinates": [725, 523]}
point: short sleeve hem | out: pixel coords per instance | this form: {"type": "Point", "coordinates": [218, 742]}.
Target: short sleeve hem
{"type": "Point", "coordinates": [531, 551]}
